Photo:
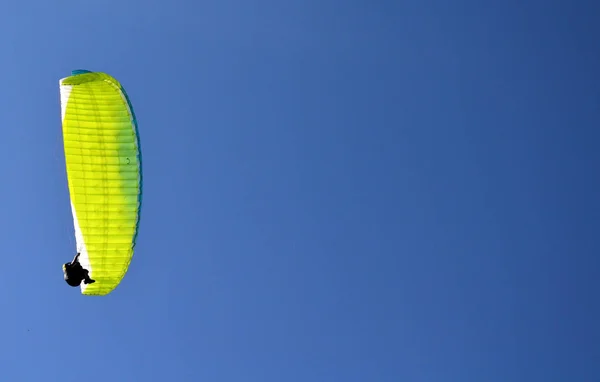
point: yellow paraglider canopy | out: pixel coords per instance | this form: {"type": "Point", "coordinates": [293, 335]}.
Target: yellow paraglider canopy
{"type": "Point", "coordinates": [104, 172]}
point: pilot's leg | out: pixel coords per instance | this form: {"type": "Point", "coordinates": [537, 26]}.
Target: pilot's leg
{"type": "Point", "coordinates": [86, 277]}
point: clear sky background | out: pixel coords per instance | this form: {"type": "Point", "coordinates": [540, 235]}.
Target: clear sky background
{"type": "Point", "coordinates": [337, 191]}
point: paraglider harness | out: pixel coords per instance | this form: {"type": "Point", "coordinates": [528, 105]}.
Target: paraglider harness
{"type": "Point", "coordinates": [74, 273]}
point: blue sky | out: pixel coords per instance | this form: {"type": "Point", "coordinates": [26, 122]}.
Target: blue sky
{"type": "Point", "coordinates": [334, 191]}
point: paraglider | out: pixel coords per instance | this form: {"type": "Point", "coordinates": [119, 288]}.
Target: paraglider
{"type": "Point", "coordinates": [104, 174]}
{"type": "Point", "coordinates": [74, 273]}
